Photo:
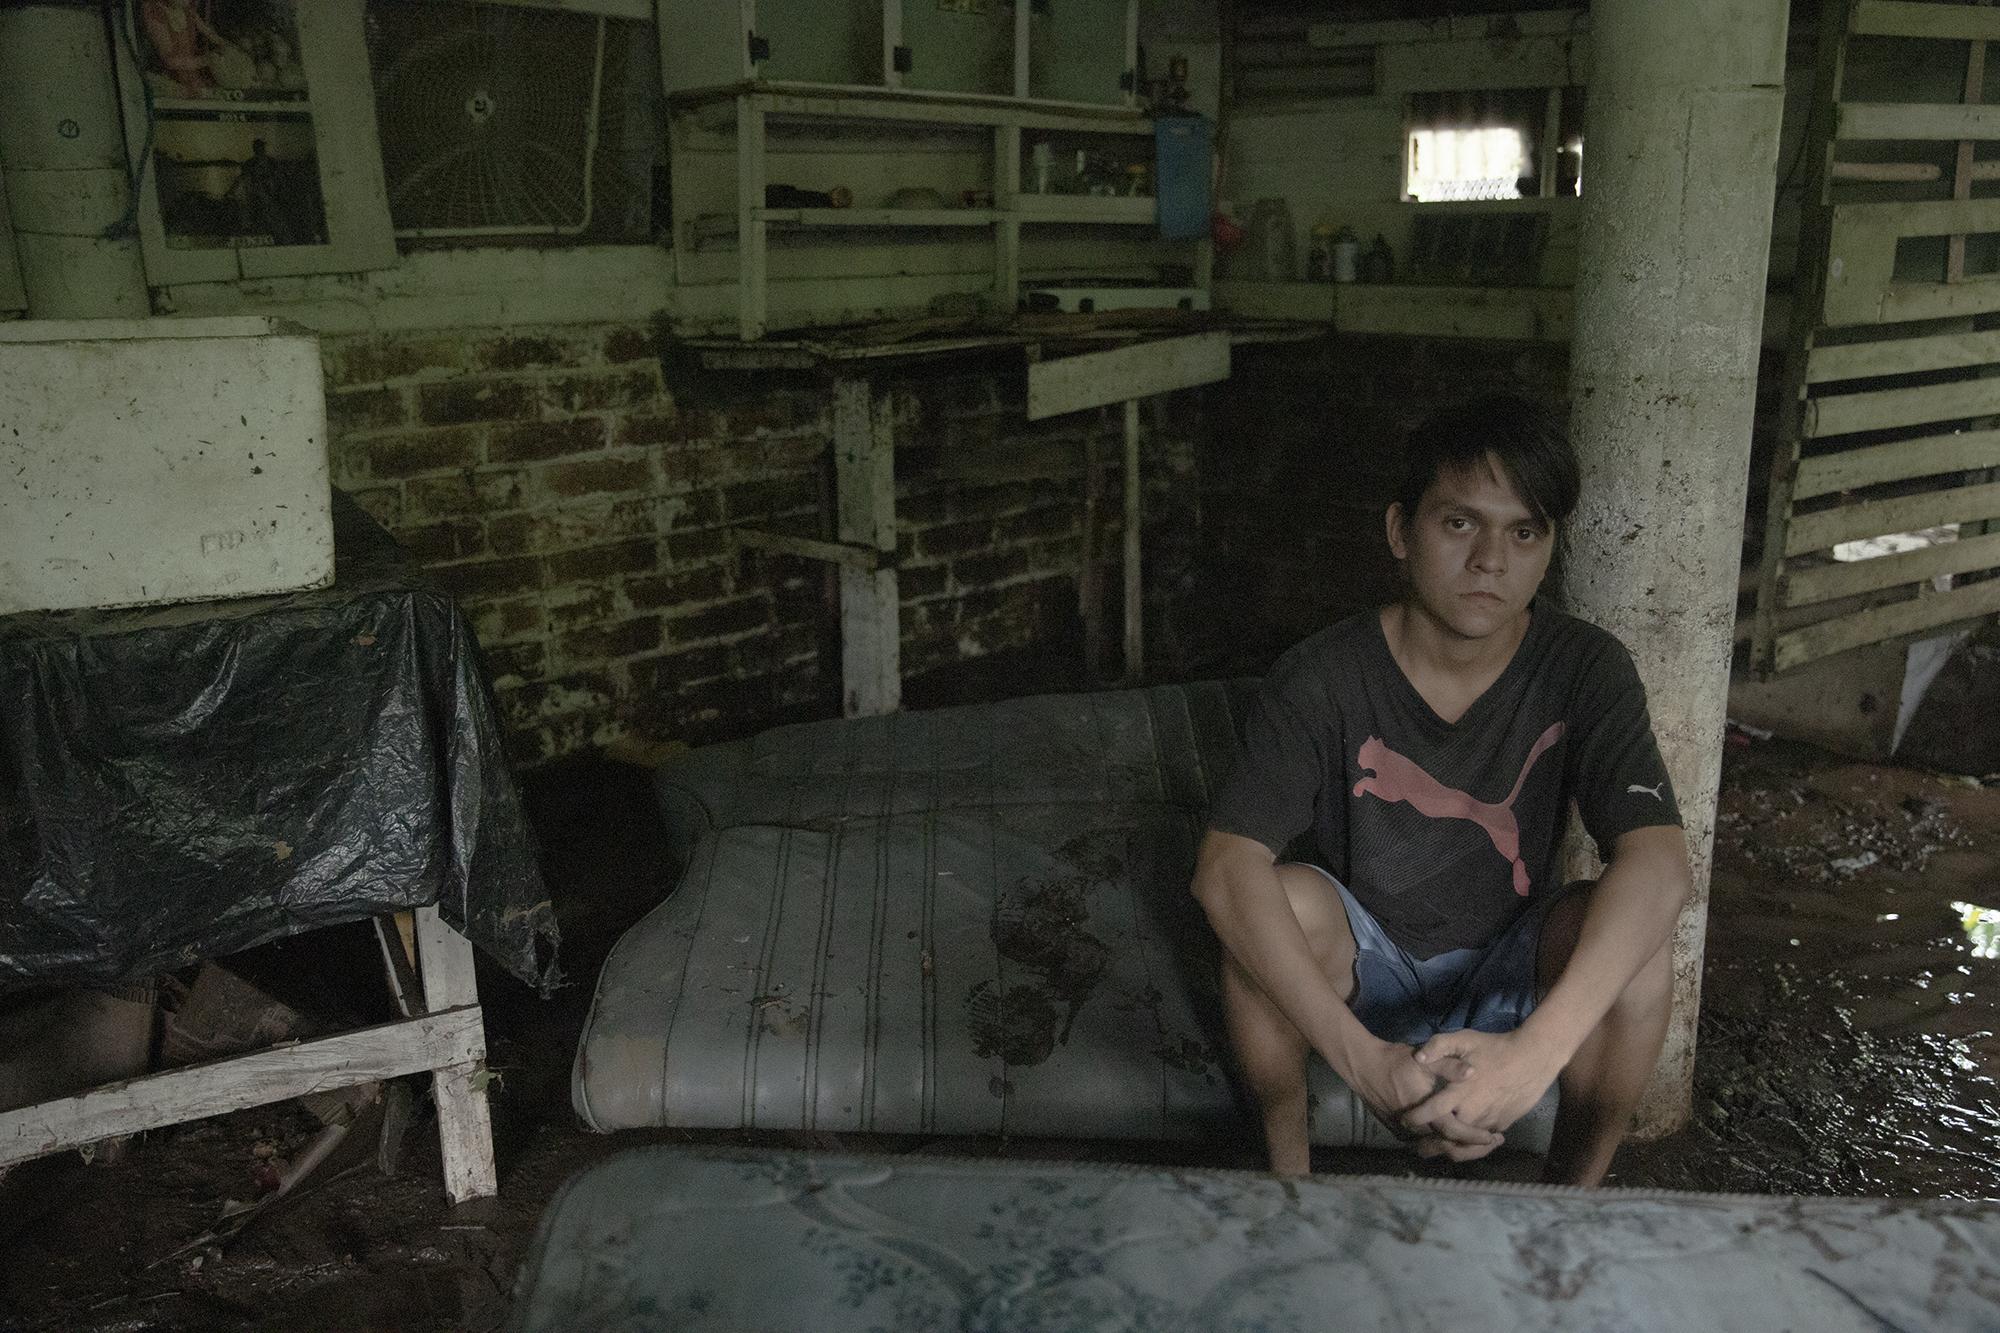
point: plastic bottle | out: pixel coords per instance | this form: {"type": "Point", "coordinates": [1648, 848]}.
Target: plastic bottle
{"type": "Point", "coordinates": [1346, 256]}
{"type": "Point", "coordinates": [1379, 264]}
{"type": "Point", "coordinates": [1273, 245]}
{"type": "Point", "coordinates": [1319, 255]}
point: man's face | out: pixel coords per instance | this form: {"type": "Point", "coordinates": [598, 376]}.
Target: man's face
{"type": "Point", "coordinates": [1474, 553]}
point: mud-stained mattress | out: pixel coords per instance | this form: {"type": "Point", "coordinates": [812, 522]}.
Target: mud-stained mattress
{"type": "Point", "coordinates": [673, 1238]}
{"type": "Point", "coordinates": [968, 921]}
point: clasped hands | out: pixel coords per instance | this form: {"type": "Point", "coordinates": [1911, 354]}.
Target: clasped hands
{"type": "Point", "coordinates": [1456, 1095]}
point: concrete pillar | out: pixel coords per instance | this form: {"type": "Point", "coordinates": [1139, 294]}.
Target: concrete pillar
{"type": "Point", "coordinates": [62, 146]}
{"type": "Point", "coordinates": [1679, 168]}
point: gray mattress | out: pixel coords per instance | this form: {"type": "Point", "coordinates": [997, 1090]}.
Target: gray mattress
{"type": "Point", "coordinates": [968, 921]}
{"type": "Point", "coordinates": [671, 1239]}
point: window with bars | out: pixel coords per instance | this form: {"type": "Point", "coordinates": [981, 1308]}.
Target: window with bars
{"type": "Point", "coordinates": [1509, 143]}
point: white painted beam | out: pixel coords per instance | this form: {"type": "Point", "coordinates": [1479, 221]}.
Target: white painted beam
{"type": "Point", "coordinates": [1074, 383]}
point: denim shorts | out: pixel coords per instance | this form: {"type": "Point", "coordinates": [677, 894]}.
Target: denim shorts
{"type": "Point", "coordinates": [1405, 999]}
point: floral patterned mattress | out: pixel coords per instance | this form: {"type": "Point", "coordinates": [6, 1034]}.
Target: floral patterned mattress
{"type": "Point", "coordinates": [681, 1239]}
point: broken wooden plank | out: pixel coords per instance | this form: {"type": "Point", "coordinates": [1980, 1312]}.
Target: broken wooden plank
{"type": "Point", "coordinates": [1886, 409]}
{"type": "Point", "coordinates": [1093, 379]}
{"type": "Point", "coordinates": [390, 1050]}
{"type": "Point", "coordinates": [1904, 460]}
{"type": "Point", "coordinates": [1909, 513]}
{"type": "Point", "coordinates": [1886, 622]}
{"type": "Point", "coordinates": [1848, 578]}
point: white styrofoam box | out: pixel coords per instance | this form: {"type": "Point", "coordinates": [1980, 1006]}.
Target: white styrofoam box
{"type": "Point", "coordinates": [160, 460]}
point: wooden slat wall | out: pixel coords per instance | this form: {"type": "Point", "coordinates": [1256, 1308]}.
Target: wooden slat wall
{"type": "Point", "coordinates": [1924, 18]}
{"type": "Point", "coordinates": [1897, 427]}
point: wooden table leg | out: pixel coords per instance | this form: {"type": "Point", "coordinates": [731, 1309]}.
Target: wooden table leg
{"type": "Point", "coordinates": [465, 1122]}
{"type": "Point", "coordinates": [864, 459]}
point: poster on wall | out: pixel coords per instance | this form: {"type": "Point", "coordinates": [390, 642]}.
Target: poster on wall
{"type": "Point", "coordinates": [233, 132]}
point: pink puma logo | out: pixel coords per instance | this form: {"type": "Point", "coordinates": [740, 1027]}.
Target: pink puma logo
{"type": "Point", "coordinates": [1394, 777]}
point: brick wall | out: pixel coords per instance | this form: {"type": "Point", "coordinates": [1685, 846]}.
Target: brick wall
{"type": "Point", "coordinates": [575, 493]}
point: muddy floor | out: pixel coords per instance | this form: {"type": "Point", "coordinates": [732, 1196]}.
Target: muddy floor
{"type": "Point", "coordinates": [1847, 1046]}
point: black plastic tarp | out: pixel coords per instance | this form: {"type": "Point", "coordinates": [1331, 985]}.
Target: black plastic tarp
{"type": "Point", "coordinates": [181, 782]}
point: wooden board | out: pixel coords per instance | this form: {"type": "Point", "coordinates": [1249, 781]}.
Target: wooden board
{"type": "Point", "coordinates": [880, 217]}
{"type": "Point", "coordinates": [871, 671]}
{"type": "Point", "coordinates": [783, 543]}
{"type": "Point", "coordinates": [752, 312]}
{"type": "Point", "coordinates": [1902, 356]}
{"type": "Point", "coordinates": [1886, 622]}
{"type": "Point", "coordinates": [1887, 171]}
{"type": "Point", "coordinates": [1135, 600]}
{"type": "Point", "coordinates": [13, 295]}
{"type": "Point", "coordinates": [1916, 18]}
{"type": "Point", "coordinates": [1917, 120]}
{"type": "Point", "coordinates": [1905, 459]}
{"type": "Point", "coordinates": [1940, 300]}
{"type": "Point", "coordinates": [1817, 532]}
{"type": "Point", "coordinates": [1886, 409]}
{"type": "Point", "coordinates": [956, 109]}
{"type": "Point", "coordinates": [1861, 286]}
{"type": "Point", "coordinates": [1308, 301]}
{"type": "Point", "coordinates": [1923, 217]}
{"type": "Point", "coordinates": [1074, 383]}
{"type": "Point", "coordinates": [1848, 578]}
{"type": "Point", "coordinates": [465, 1121]}
{"type": "Point", "coordinates": [1124, 210]}
{"type": "Point", "coordinates": [1538, 314]}
{"type": "Point", "coordinates": [391, 1050]}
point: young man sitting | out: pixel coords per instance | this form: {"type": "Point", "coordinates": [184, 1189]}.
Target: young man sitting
{"type": "Point", "coordinates": [1383, 868]}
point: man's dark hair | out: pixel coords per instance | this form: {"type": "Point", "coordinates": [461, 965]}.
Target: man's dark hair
{"type": "Point", "coordinates": [1531, 443]}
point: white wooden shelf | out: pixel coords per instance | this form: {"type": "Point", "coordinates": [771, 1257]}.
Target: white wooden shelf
{"type": "Point", "coordinates": [876, 105]}
{"type": "Point", "coordinates": [880, 217]}
{"type": "Point", "coordinates": [767, 122]}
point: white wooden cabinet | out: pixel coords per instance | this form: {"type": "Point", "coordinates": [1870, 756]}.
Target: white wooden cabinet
{"type": "Point", "coordinates": [1079, 51]}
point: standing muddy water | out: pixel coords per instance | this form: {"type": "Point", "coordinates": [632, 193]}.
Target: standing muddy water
{"type": "Point", "coordinates": [1850, 1000]}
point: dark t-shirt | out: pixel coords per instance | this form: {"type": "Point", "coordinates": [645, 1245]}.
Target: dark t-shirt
{"type": "Point", "coordinates": [1445, 830]}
